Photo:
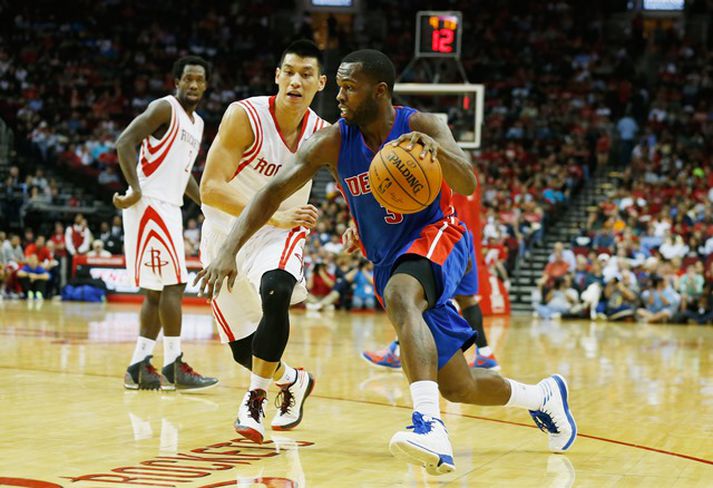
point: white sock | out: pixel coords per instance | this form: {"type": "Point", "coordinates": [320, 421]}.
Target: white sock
{"type": "Point", "coordinates": [259, 383]}
{"type": "Point", "coordinates": [289, 375]}
{"type": "Point", "coordinates": [485, 351]}
{"type": "Point", "coordinates": [144, 347]}
{"type": "Point", "coordinates": [171, 349]}
{"type": "Point", "coordinates": [525, 396]}
{"type": "Point", "coordinates": [424, 395]}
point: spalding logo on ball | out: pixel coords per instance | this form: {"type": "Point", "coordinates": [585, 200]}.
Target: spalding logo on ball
{"type": "Point", "coordinates": [401, 181]}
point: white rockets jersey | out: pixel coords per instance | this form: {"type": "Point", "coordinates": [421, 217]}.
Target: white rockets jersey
{"type": "Point", "coordinates": [165, 164]}
{"type": "Point", "coordinates": [266, 156]}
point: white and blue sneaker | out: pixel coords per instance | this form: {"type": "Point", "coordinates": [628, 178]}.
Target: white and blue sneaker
{"type": "Point", "coordinates": [555, 417]}
{"type": "Point", "coordinates": [427, 445]}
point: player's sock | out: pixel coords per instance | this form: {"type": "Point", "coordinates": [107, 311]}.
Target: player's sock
{"type": "Point", "coordinates": [530, 397]}
{"type": "Point", "coordinates": [485, 351]}
{"type": "Point", "coordinates": [144, 347]}
{"type": "Point", "coordinates": [171, 349]}
{"type": "Point", "coordinates": [424, 395]}
{"type": "Point", "coordinates": [288, 374]}
{"type": "Point", "coordinates": [259, 383]}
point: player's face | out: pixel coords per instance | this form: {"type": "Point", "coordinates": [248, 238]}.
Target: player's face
{"type": "Point", "coordinates": [357, 96]}
{"type": "Point", "coordinates": [192, 84]}
{"type": "Point", "coordinates": [299, 80]}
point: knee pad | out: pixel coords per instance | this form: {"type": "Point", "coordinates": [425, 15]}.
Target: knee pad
{"type": "Point", "coordinates": [276, 288]}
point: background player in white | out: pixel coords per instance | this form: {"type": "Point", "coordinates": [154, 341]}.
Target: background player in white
{"type": "Point", "coordinates": [170, 133]}
{"type": "Point", "coordinates": [256, 140]}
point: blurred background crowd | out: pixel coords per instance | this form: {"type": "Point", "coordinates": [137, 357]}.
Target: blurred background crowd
{"type": "Point", "coordinates": [572, 89]}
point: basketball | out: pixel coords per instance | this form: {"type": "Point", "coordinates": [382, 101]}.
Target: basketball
{"type": "Point", "coordinates": [401, 181]}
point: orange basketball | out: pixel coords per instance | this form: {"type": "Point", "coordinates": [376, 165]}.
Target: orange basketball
{"type": "Point", "coordinates": [401, 181]}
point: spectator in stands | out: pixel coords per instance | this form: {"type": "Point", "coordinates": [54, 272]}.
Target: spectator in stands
{"type": "Point", "coordinates": [13, 254]}
{"type": "Point", "coordinates": [557, 268]}
{"type": "Point", "coordinates": [60, 252]}
{"type": "Point", "coordinates": [559, 300]}
{"type": "Point", "coordinates": [77, 237]}
{"type": "Point", "coordinates": [112, 243]}
{"type": "Point", "coordinates": [627, 128]}
{"type": "Point", "coordinates": [660, 301]}
{"type": "Point", "coordinates": [691, 287]}
{"type": "Point", "coordinates": [559, 252]}
{"type": "Point", "coordinates": [363, 296]}
{"type": "Point", "coordinates": [33, 278]}
{"type": "Point", "coordinates": [98, 250]}
{"type": "Point", "coordinates": [621, 295]}
{"type": "Point", "coordinates": [192, 233]}
{"type": "Point", "coordinates": [319, 283]}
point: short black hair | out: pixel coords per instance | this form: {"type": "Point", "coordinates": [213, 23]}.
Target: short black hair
{"type": "Point", "coordinates": [180, 65]}
{"type": "Point", "coordinates": [375, 65]}
{"type": "Point", "coordinates": [304, 48]}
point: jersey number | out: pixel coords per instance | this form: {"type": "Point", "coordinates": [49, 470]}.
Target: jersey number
{"type": "Point", "coordinates": [190, 159]}
{"type": "Point", "coordinates": [392, 218]}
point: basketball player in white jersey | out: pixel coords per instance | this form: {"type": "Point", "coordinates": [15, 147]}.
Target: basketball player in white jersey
{"type": "Point", "coordinates": [169, 133]}
{"type": "Point", "coordinates": [256, 140]}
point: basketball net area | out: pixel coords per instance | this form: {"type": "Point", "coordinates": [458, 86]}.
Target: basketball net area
{"type": "Point", "coordinates": [459, 104]}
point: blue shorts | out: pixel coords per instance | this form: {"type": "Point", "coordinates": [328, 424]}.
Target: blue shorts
{"type": "Point", "coordinates": [469, 284]}
{"type": "Point", "coordinates": [449, 257]}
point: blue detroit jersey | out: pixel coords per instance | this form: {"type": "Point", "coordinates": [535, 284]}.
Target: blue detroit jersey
{"type": "Point", "coordinates": [383, 234]}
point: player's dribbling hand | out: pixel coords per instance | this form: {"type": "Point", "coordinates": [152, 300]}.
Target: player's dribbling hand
{"type": "Point", "coordinates": [211, 277]}
{"type": "Point", "coordinates": [126, 200]}
{"type": "Point", "coordinates": [350, 240]}
{"type": "Point", "coordinates": [304, 215]}
{"type": "Point", "coordinates": [413, 138]}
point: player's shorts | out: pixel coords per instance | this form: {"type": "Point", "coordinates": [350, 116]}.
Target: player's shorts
{"type": "Point", "coordinates": [153, 244]}
{"type": "Point", "coordinates": [449, 249]}
{"type": "Point", "coordinates": [239, 311]}
{"type": "Point", "coordinates": [469, 284]}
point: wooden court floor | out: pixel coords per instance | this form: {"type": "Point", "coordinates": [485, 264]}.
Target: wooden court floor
{"type": "Point", "coordinates": [642, 396]}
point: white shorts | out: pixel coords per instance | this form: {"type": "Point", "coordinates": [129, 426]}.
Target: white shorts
{"type": "Point", "coordinates": [239, 311]}
{"type": "Point", "coordinates": [153, 244]}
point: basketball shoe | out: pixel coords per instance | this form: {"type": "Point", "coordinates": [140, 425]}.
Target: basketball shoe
{"type": "Point", "coordinates": [485, 362]}
{"type": "Point", "coordinates": [290, 401]}
{"type": "Point", "coordinates": [427, 445]}
{"type": "Point", "coordinates": [251, 414]}
{"type": "Point", "coordinates": [180, 376]}
{"type": "Point", "coordinates": [143, 376]}
{"type": "Point", "coordinates": [387, 358]}
{"type": "Point", "coordinates": [554, 416]}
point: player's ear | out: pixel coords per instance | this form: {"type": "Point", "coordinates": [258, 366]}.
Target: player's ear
{"type": "Point", "coordinates": [277, 75]}
{"type": "Point", "coordinates": [322, 82]}
{"type": "Point", "coordinates": [382, 90]}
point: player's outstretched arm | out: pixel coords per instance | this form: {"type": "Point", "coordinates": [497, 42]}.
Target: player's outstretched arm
{"type": "Point", "coordinates": [157, 114]}
{"type": "Point", "coordinates": [322, 149]}
{"type": "Point", "coordinates": [437, 139]}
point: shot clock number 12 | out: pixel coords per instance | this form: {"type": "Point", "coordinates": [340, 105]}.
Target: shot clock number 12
{"type": "Point", "coordinates": [438, 34]}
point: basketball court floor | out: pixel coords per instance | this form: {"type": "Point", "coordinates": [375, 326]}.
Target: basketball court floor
{"type": "Point", "coordinates": [642, 396]}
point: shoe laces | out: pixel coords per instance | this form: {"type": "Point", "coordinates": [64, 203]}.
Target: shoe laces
{"type": "Point", "coordinates": [285, 400]}
{"type": "Point", "coordinates": [254, 404]}
{"type": "Point", "coordinates": [151, 370]}
{"type": "Point", "coordinates": [187, 369]}
{"type": "Point", "coordinates": [420, 425]}
{"type": "Point", "coordinates": [544, 421]}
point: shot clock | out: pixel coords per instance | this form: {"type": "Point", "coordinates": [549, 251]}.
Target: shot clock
{"type": "Point", "coordinates": [438, 34]}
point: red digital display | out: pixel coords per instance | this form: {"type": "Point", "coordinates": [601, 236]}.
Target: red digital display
{"type": "Point", "coordinates": [439, 34]}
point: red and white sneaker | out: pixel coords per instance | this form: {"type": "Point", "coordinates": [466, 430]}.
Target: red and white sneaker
{"type": "Point", "coordinates": [290, 401]}
{"type": "Point", "coordinates": [251, 414]}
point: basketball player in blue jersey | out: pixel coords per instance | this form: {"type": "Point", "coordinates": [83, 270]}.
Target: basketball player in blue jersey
{"type": "Point", "coordinates": [419, 260]}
